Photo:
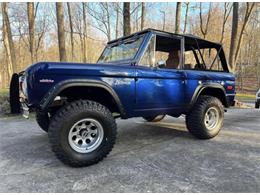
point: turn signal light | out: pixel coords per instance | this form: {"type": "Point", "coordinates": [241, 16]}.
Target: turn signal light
{"type": "Point", "coordinates": [229, 87]}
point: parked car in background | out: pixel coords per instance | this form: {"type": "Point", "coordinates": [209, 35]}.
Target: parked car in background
{"type": "Point", "coordinates": [257, 99]}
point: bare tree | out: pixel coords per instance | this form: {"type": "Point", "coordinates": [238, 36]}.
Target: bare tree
{"type": "Point", "coordinates": [248, 12]}
{"type": "Point", "coordinates": [31, 14]}
{"type": "Point", "coordinates": [233, 41]}
{"type": "Point", "coordinates": [102, 18]}
{"type": "Point", "coordinates": [31, 19]}
{"type": "Point", "coordinates": [41, 27]}
{"type": "Point", "coordinates": [84, 32]}
{"type": "Point", "coordinates": [186, 17]}
{"type": "Point", "coordinates": [163, 12]}
{"type": "Point", "coordinates": [236, 39]}
{"type": "Point", "coordinates": [117, 8]}
{"type": "Point", "coordinates": [106, 8]}
{"type": "Point", "coordinates": [71, 31]}
{"type": "Point", "coordinates": [178, 17]}
{"type": "Point", "coordinates": [143, 16]}
{"type": "Point", "coordinates": [136, 18]}
{"type": "Point", "coordinates": [135, 21]}
{"type": "Point", "coordinates": [61, 31]}
{"type": "Point", "coordinates": [204, 30]}
{"type": "Point", "coordinates": [105, 14]}
{"type": "Point", "coordinates": [227, 11]}
{"type": "Point", "coordinates": [126, 14]}
{"type": "Point", "coordinates": [8, 41]}
{"type": "Point", "coordinates": [78, 24]}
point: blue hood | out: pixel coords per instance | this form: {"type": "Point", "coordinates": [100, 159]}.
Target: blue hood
{"type": "Point", "coordinates": [79, 69]}
{"type": "Point", "coordinates": [42, 76]}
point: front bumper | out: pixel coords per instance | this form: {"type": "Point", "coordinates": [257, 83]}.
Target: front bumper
{"type": "Point", "coordinates": [25, 110]}
{"type": "Point", "coordinates": [18, 102]}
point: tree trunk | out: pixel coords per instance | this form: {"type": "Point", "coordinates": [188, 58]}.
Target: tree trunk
{"type": "Point", "coordinates": [186, 17]}
{"type": "Point", "coordinates": [10, 67]}
{"type": "Point", "coordinates": [227, 12]}
{"type": "Point", "coordinates": [31, 20]}
{"type": "Point", "coordinates": [71, 31]}
{"type": "Point", "coordinates": [61, 32]}
{"type": "Point", "coordinates": [178, 18]}
{"type": "Point", "coordinates": [203, 30]}
{"type": "Point", "coordinates": [258, 73]}
{"type": "Point", "coordinates": [136, 26]}
{"type": "Point", "coordinates": [248, 13]}
{"type": "Point", "coordinates": [163, 12]}
{"type": "Point", "coordinates": [233, 41]}
{"type": "Point", "coordinates": [108, 21]}
{"type": "Point", "coordinates": [126, 13]}
{"type": "Point", "coordinates": [8, 41]}
{"type": "Point", "coordinates": [143, 16]}
{"type": "Point", "coordinates": [117, 19]}
{"type": "Point", "coordinates": [84, 33]}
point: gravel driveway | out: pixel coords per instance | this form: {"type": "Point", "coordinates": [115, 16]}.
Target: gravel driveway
{"type": "Point", "coordinates": [148, 157]}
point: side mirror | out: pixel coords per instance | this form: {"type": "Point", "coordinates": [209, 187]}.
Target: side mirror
{"type": "Point", "coordinates": [161, 64]}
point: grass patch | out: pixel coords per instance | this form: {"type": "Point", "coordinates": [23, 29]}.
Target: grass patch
{"type": "Point", "coordinates": [245, 96]}
{"type": "Point", "coordinates": [4, 92]}
{"type": "Point", "coordinates": [4, 102]}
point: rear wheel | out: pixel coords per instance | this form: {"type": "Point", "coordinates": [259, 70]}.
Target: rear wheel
{"type": "Point", "coordinates": [205, 120]}
{"type": "Point", "coordinates": [154, 118]}
{"type": "Point", "coordinates": [82, 133]}
{"type": "Point", "coordinates": [257, 104]}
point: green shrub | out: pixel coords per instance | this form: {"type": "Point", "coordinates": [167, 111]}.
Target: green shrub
{"type": "Point", "coordinates": [4, 102]}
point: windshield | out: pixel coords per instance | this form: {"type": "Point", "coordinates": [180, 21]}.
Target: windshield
{"type": "Point", "coordinates": [125, 50]}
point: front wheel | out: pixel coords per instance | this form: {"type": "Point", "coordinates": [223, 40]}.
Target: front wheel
{"type": "Point", "coordinates": [82, 133]}
{"type": "Point", "coordinates": [205, 120]}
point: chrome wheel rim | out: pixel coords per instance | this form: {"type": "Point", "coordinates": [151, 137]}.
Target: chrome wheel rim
{"type": "Point", "coordinates": [211, 118]}
{"type": "Point", "coordinates": [86, 135]}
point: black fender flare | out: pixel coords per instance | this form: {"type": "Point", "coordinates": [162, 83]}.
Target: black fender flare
{"type": "Point", "coordinates": [204, 86]}
{"type": "Point", "coordinates": [59, 87]}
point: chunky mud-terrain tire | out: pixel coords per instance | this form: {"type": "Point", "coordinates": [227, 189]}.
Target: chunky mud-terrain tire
{"type": "Point", "coordinates": [43, 120]}
{"type": "Point", "coordinates": [154, 118]}
{"type": "Point", "coordinates": [205, 119]}
{"type": "Point", "coordinates": [82, 133]}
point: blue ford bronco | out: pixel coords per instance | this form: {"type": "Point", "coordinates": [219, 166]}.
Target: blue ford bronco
{"type": "Point", "coordinates": [148, 74]}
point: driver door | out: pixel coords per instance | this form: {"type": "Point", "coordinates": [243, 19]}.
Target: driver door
{"type": "Point", "coordinates": [158, 89]}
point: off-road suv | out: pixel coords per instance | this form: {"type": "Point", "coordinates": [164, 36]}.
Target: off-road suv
{"type": "Point", "coordinates": [148, 74]}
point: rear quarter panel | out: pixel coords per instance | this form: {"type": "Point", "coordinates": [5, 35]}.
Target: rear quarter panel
{"type": "Point", "coordinates": [196, 78]}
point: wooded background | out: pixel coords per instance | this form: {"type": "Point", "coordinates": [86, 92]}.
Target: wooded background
{"type": "Point", "coordinates": [33, 32]}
